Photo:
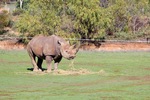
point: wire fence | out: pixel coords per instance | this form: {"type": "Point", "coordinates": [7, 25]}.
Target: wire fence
{"type": "Point", "coordinates": [146, 40]}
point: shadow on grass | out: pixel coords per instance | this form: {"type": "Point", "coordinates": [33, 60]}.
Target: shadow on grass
{"type": "Point", "coordinates": [31, 69]}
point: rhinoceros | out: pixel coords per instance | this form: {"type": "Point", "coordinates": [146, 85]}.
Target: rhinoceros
{"type": "Point", "coordinates": [50, 48]}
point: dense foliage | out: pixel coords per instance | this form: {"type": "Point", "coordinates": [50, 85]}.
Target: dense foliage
{"type": "Point", "coordinates": [4, 19]}
{"type": "Point", "coordinates": [86, 18]}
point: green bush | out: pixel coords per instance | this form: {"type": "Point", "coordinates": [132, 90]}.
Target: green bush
{"type": "Point", "coordinates": [4, 19]}
{"type": "Point", "coordinates": [123, 36]}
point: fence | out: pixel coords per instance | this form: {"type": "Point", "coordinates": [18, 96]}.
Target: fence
{"type": "Point", "coordinates": [146, 40]}
{"type": "Point", "coordinates": [86, 44]}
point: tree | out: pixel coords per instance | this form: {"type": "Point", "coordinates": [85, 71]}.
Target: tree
{"type": "Point", "coordinates": [39, 18]}
{"type": "Point", "coordinates": [87, 17]}
{"type": "Point", "coordinates": [49, 17]}
{"type": "Point", "coordinates": [21, 2]}
{"type": "Point", "coordinates": [139, 11]}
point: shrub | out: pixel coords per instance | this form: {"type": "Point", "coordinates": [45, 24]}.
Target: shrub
{"type": "Point", "coordinates": [4, 19]}
{"type": "Point", "coordinates": [17, 12]}
{"type": "Point", "coordinates": [123, 36]}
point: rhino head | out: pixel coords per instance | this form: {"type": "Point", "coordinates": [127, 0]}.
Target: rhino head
{"type": "Point", "coordinates": [68, 51]}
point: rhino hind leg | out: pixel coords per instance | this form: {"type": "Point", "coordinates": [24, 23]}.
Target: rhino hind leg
{"type": "Point", "coordinates": [39, 64]}
{"type": "Point", "coordinates": [33, 60]}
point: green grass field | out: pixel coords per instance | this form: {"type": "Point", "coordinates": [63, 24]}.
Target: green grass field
{"type": "Point", "coordinates": [124, 76]}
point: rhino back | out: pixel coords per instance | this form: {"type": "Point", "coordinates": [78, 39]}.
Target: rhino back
{"type": "Point", "coordinates": [52, 47]}
{"type": "Point", "coordinates": [45, 45]}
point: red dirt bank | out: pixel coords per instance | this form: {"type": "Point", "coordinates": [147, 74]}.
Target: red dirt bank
{"type": "Point", "coordinates": [105, 46]}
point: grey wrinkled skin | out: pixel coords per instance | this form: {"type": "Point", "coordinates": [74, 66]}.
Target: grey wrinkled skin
{"type": "Point", "coordinates": [49, 48]}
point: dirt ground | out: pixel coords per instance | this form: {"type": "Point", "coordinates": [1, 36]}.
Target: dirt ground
{"type": "Point", "coordinates": [104, 46]}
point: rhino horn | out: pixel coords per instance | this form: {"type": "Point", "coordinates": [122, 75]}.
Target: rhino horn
{"type": "Point", "coordinates": [76, 47]}
{"type": "Point", "coordinates": [68, 42]}
{"type": "Point", "coordinates": [73, 46]}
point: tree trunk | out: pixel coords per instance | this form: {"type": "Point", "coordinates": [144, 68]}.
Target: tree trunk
{"type": "Point", "coordinates": [21, 2]}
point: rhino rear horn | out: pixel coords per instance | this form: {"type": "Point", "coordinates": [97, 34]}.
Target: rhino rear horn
{"type": "Point", "coordinates": [77, 46]}
{"type": "Point", "coordinates": [68, 42]}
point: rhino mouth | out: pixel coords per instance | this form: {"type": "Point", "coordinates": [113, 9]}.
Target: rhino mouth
{"type": "Point", "coordinates": [70, 58]}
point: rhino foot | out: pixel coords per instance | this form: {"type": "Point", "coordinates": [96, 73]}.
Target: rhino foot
{"type": "Point", "coordinates": [37, 70]}
{"type": "Point", "coordinates": [48, 71]}
{"type": "Point", "coordinates": [40, 70]}
{"type": "Point", "coordinates": [55, 70]}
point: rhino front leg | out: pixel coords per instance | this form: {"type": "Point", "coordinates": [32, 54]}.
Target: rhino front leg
{"type": "Point", "coordinates": [55, 66]}
{"type": "Point", "coordinates": [49, 63]}
{"type": "Point", "coordinates": [56, 63]}
{"type": "Point", "coordinates": [39, 63]}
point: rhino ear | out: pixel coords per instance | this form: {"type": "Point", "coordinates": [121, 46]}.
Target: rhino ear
{"type": "Point", "coordinates": [60, 43]}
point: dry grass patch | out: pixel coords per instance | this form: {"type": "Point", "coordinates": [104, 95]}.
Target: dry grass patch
{"type": "Point", "coordinates": [80, 71]}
